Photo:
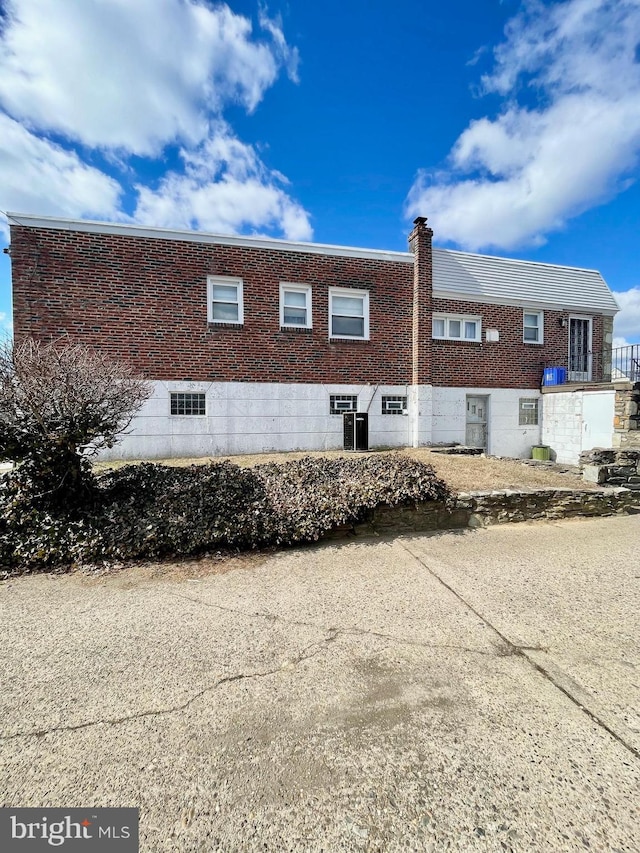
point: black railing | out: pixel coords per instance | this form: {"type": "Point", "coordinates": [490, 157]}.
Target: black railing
{"type": "Point", "coordinates": [625, 363]}
{"type": "Point", "coordinates": [622, 364]}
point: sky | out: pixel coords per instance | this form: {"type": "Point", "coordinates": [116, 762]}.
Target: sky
{"type": "Point", "coordinates": [513, 126]}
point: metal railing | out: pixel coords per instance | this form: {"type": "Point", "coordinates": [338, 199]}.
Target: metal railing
{"type": "Point", "coordinates": [622, 364]}
{"type": "Point", "coordinates": [625, 363]}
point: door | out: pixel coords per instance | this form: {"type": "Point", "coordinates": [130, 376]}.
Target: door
{"type": "Point", "coordinates": [476, 431]}
{"type": "Point", "coordinates": [579, 349]}
{"type": "Point", "coordinates": [597, 419]}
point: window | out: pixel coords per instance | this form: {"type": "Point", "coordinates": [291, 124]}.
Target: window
{"type": "Point", "coordinates": [348, 313]}
{"type": "Point", "coordinates": [339, 403]}
{"type": "Point", "coordinates": [456, 327]}
{"type": "Point", "coordinates": [394, 405]}
{"type": "Point", "coordinates": [295, 306]}
{"type": "Point", "coordinates": [533, 325]}
{"type": "Point", "coordinates": [225, 300]}
{"type": "Point", "coordinates": [188, 404]}
{"type": "Point", "coordinates": [528, 411]}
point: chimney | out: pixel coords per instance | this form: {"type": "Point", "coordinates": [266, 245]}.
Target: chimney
{"type": "Point", "coordinates": [420, 244]}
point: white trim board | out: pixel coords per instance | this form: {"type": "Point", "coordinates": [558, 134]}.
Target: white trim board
{"type": "Point", "coordinates": [125, 230]}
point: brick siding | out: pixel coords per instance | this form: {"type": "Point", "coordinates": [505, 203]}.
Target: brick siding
{"type": "Point", "coordinates": [508, 363]}
{"type": "Point", "coordinates": [144, 300]}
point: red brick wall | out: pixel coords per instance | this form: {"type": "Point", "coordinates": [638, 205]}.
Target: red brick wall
{"type": "Point", "coordinates": [145, 301]}
{"type": "Point", "coordinates": [509, 363]}
{"type": "Point", "coordinates": [420, 242]}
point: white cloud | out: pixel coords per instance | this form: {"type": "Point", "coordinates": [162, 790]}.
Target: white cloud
{"type": "Point", "coordinates": [224, 188]}
{"type": "Point", "coordinates": [133, 75]}
{"type": "Point", "coordinates": [626, 325]}
{"type": "Point", "coordinates": [514, 178]}
{"type": "Point", "coordinates": [37, 175]}
{"type": "Point", "coordinates": [131, 78]}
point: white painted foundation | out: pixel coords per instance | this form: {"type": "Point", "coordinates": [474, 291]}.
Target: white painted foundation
{"type": "Point", "coordinates": [505, 436]}
{"type": "Point", "coordinates": [250, 417]}
{"type": "Point", "coordinates": [578, 420]}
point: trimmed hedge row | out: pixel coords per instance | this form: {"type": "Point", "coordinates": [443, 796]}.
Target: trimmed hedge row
{"type": "Point", "coordinates": [151, 511]}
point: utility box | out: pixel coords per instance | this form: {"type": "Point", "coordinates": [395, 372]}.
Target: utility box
{"type": "Point", "coordinates": [356, 430]}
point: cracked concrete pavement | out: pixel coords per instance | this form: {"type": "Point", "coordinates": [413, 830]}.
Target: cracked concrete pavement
{"type": "Point", "coordinates": [473, 690]}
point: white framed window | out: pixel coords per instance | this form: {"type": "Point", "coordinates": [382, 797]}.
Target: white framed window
{"type": "Point", "coordinates": [348, 313]}
{"type": "Point", "coordinates": [295, 306]}
{"type": "Point", "coordinates": [188, 404]}
{"type": "Point", "coordinates": [533, 327]}
{"type": "Point", "coordinates": [340, 403]}
{"type": "Point", "coordinates": [224, 298]}
{"type": "Point", "coordinates": [456, 327]}
{"type": "Point", "coordinates": [529, 411]}
{"type": "Point", "coordinates": [394, 405]}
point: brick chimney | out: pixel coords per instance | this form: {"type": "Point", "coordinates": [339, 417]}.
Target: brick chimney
{"type": "Point", "coordinates": [420, 244]}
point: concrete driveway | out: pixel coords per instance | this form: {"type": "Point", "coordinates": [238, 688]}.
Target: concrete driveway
{"type": "Point", "coordinates": [460, 691]}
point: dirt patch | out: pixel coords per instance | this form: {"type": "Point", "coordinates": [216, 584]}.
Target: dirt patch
{"type": "Point", "coordinates": [128, 575]}
{"type": "Point", "coordinates": [461, 473]}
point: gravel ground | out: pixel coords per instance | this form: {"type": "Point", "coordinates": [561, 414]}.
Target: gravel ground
{"type": "Point", "coordinates": [462, 473]}
{"type": "Point", "coordinates": [470, 691]}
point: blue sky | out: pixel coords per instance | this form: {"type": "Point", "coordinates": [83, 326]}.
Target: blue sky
{"type": "Point", "coordinates": [513, 126]}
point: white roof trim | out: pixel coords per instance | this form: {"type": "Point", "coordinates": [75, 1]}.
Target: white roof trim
{"type": "Point", "coordinates": [127, 230]}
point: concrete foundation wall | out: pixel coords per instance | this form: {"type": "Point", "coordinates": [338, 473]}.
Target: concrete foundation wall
{"type": "Point", "coordinates": [574, 421]}
{"type": "Point", "coordinates": [251, 417]}
{"type": "Point", "coordinates": [505, 436]}
{"type": "Point", "coordinates": [256, 417]}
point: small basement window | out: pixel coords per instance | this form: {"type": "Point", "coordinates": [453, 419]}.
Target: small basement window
{"type": "Point", "coordinates": [339, 403]}
{"type": "Point", "coordinates": [394, 405]}
{"type": "Point", "coordinates": [528, 411]}
{"type": "Point", "coordinates": [188, 404]}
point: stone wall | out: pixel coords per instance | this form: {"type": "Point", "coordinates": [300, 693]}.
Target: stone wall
{"type": "Point", "coordinates": [626, 421]}
{"type": "Point", "coordinates": [613, 467]}
{"type": "Point", "coordinates": [480, 509]}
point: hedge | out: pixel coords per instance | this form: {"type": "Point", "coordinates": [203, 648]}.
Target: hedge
{"type": "Point", "coordinates": [153, 511]}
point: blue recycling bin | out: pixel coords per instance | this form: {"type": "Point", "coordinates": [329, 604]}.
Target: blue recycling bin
{"type": "Point", "coordinates": [554, 376]}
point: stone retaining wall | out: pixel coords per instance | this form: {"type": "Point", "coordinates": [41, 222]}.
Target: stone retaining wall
{"type": "Point", "coordinates": [613, 467]}
{"type": "Point", "coordinates": [626, 421]}
{"type": "Point", "coordinates": [480, 509]}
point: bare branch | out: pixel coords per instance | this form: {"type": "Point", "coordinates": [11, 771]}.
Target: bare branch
{"type": "Point", "coordinates": [61, 397]}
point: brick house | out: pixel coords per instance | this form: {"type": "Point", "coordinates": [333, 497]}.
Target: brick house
{"type": "Point", "coordinates": [256, 344]}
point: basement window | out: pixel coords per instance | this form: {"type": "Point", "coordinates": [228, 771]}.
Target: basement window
{"type": "Point", "coordinates": [188, 404]}
{"type": "Point", "coordinates": [340, 403]}
{"type": "Point", "coordinates": [528, 411]}
{"type": "Point", "coordinates": [394, 405]}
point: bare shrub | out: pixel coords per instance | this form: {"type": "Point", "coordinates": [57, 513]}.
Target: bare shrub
{"type": "Point", "coordinates": [60, 404]}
